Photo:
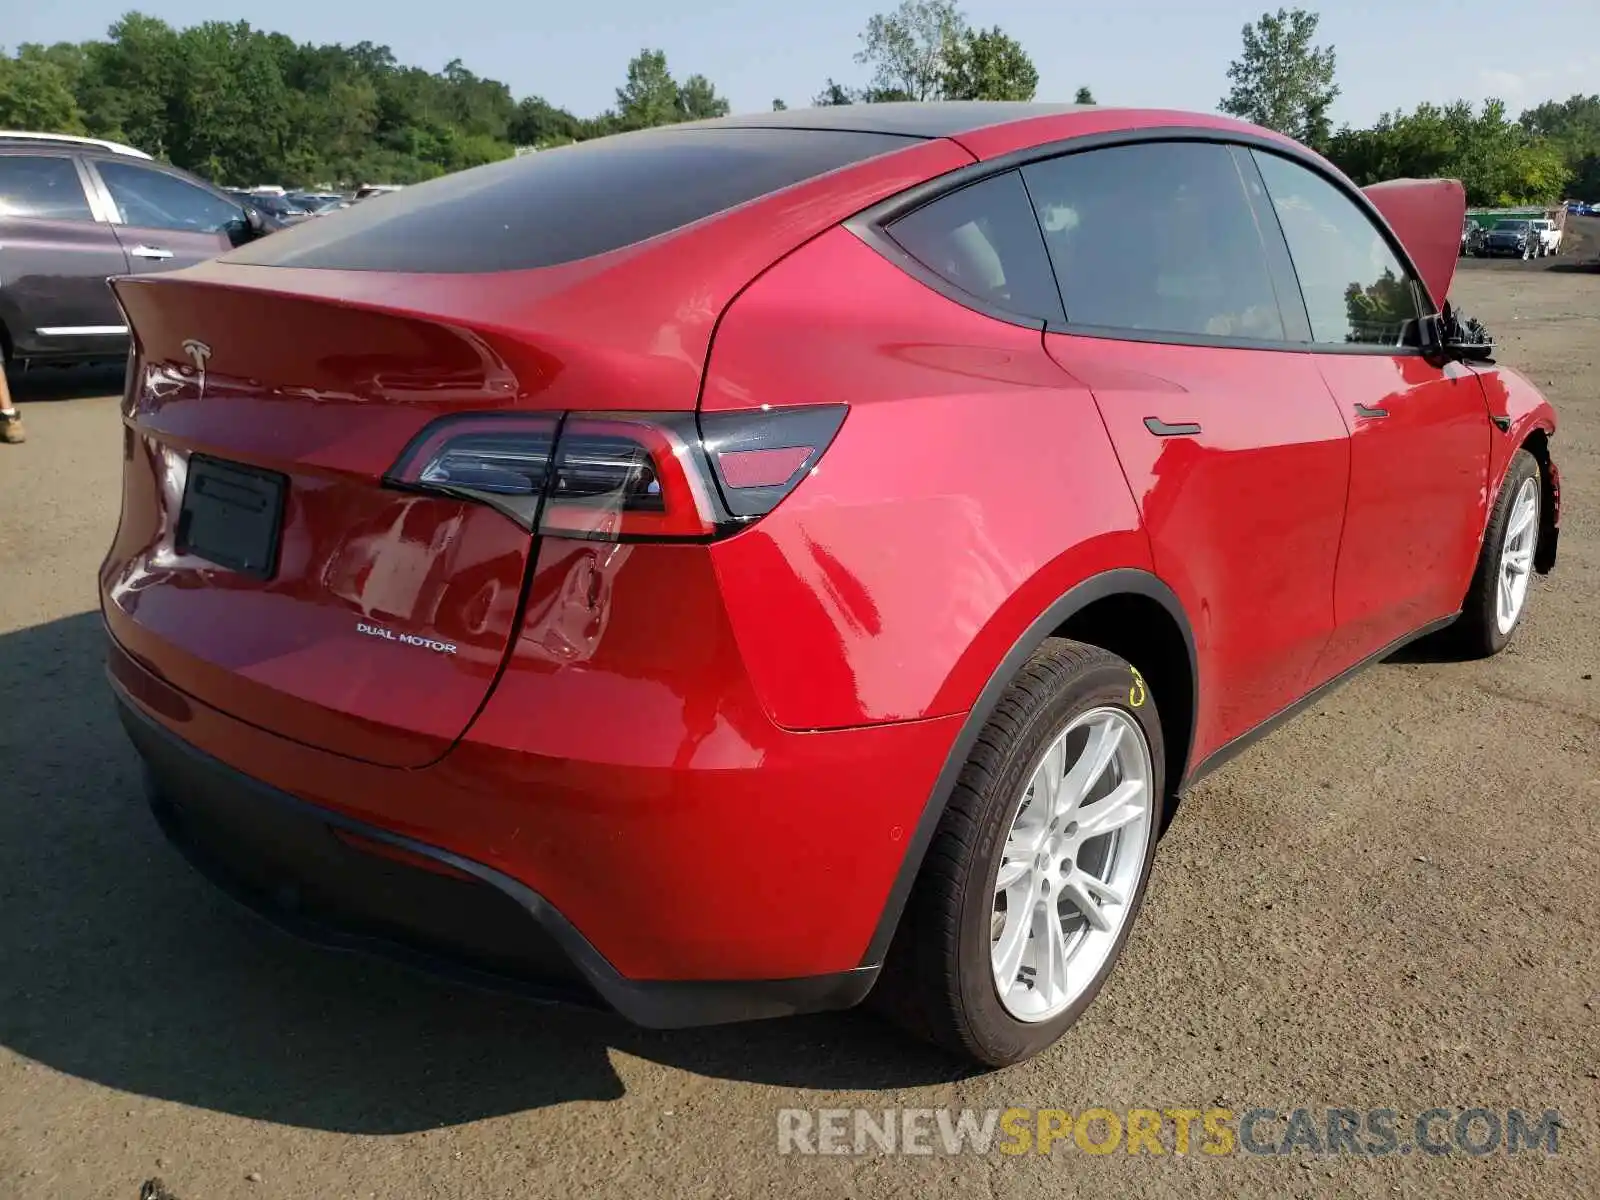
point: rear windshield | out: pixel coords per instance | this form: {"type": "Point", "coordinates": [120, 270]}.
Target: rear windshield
{"type": "Point", "coordinates": [560, 205]}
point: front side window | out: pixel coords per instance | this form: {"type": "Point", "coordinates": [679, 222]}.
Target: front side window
{"type": "Point", "coordinates": [156, 200]}
{"type": "Point", "coordinates": [43, 187]}
{"type": "Point", "coordinates": [1158, 238]}
{"type": "Point", "coordinates": [984, 240]}
{"type": "Point", "coordinates": [1356, 289]}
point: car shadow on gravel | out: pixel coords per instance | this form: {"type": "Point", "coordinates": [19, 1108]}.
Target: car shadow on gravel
{"type": "Point", "coordinates": [119, 965]}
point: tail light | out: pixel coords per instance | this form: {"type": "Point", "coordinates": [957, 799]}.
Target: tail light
{"type": "Point", "coordinates": [622, 477]}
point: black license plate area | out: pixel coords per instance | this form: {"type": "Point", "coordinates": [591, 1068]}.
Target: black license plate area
{"type": "Point", "coordinates": [232, 515]}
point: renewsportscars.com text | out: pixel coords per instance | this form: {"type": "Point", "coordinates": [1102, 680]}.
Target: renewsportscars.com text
{"type": "Point", "coordinates": [1362, 1133]}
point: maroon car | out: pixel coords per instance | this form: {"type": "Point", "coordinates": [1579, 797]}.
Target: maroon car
{"type": "Point", "coordinates": [75, 211]}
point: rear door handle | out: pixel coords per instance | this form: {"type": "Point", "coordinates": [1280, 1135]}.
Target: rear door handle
{"type": "Point", "coordinates": [1363, 411]}
{"type": "Point", "coordinates": [150, 252]}
{"type": "Point", "coordinates": [1161, 429]}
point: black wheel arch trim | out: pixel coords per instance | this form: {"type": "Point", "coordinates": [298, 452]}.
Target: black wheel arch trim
{"type": "Point", "coordinates": [1121, 581]}
{"type": "Point", "coordinates": [656, 1004]}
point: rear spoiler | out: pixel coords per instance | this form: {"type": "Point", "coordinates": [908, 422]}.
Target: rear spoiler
{"type": "Point", "coordinates": [1426, 216]}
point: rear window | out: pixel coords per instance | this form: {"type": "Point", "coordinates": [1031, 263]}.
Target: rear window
{"type": "Point", "coordinates": [561, 205]}
{"type": "Point", "coordinates": [44, 187]}
{"type": "Point", "coordinates": [985, 240]}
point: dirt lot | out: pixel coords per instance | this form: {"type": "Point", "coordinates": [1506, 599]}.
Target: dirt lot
{"type": "Point", "coordinates": [1390, 903]}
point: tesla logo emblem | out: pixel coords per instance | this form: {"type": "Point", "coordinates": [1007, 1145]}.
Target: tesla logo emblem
{"type": "Point", "coordinates": [199, 353]}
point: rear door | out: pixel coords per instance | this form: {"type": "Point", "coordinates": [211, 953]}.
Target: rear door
{"type": "Point", "coordinates": [166, 221]}
{"type": "Point", "coordinates": [1419, 431]}
{"type": "Point", "coordinates": [55, 258]}
{"type": "Point", "coordinates": [1229, 439]}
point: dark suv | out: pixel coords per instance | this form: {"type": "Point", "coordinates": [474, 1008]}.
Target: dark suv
{"type": "Point", "coordinates": [75, 211]}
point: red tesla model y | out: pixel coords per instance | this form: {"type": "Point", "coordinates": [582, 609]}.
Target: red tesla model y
{"type": "Point", "coordinates": [719, 571]}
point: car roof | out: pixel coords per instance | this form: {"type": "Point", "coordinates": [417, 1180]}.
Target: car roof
{"type": "Point", "coordinates": [987, 129]}
{"type": "Point", "coordinates": [936, 119]}
{"type": "Point", "coordinates": [14, 138]}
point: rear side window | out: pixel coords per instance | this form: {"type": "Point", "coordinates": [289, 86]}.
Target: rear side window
{"type": "Point", "coordinates": [561, 205]}
{"type": "Point", "coordinates": [44, 187]}
{"type": "Point", "coordinates": [984, 239]}
{"type": "Point", "coordinates": [1157, 237]}
{"type": "Point", "coordinates": [1356, 289]}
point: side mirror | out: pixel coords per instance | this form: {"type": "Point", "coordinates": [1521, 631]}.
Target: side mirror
{"type": "Point", "coordinates": [246, 227]}
{"type": "Point", "coordinates": [1471, 351]}
{"type": "Point", "coordinates": [1447, 337]}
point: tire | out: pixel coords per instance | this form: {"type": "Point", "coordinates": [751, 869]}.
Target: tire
{"type": "Point", "coordinates": [1481, 630]}
{"type": "Point", "coordinates": [940, 980]}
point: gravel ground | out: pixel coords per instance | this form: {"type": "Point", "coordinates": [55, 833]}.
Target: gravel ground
{"type": "Point", "coordinates": [1389, 903]}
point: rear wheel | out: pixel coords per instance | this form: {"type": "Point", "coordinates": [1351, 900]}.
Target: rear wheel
{"type": "Point", "coordinates": [1037, 872]}
{"type": "Point", "coordinates": [1498, 595]}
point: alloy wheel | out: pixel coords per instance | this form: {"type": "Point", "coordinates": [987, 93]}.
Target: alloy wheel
{"type": "Point", "coordinates": [1516, 555]}
{"type": "Point", "coordinates": [1073, 862]}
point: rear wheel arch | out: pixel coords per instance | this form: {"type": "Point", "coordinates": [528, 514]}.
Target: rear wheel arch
{"type": "Point", "coordinates": [1156, 639]}
{"type": "Point", "coordinates": [1127, 611]}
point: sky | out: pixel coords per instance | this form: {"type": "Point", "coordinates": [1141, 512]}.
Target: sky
{"type": "Point", "coordinates": [1156, 53]}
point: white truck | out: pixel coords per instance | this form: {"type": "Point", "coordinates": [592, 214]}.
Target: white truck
{"type": "Point", "coordinates": [1549, 236]}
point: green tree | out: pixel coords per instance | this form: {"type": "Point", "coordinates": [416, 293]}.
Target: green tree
{"type": "Point", "coordinates": [230, 108]}
{"type": "Point", "coordinates": [539, 123]}
{"type": "Point", "coordinates": [907, 49]}
{"type": "Point", "coordinates": [131, 81]}
{"type": "Point", "coordinates": [1572, 126]}
{"type": "Point", "coordinates": [986, 64]}
{"type": "Point", "coordinates": [833, 94]}
{"type": "Point", "coordinates": [36, 92]}
{"type": "Point", "coordinates": [1084, 96]}
{"type": "Point", "coordinates": [1498, 161]}
{"type": "Point", "coordinates": [241, 105]}
{"type": "Point", "coordinates": [1283, 80]}
{"type": "Point", "coordinates": [698, 100]}
{"type": "Point", "coordinates": [650, 97]}
{"type": "Point", "coordinates": [779, 106]}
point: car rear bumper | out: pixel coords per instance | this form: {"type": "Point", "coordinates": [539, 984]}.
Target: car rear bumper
{"type": "Point", "coordinates": [344, 883]}
{"type": "Point", "coordinates": [733, 869]}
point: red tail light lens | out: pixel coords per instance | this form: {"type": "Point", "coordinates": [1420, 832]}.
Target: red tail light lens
{"type": "Point", "coordinates": [501, 461]}
{"type": "Point", "coordinates": [622, 477]}
{"type": "Point", "coordinates": [630, 477]}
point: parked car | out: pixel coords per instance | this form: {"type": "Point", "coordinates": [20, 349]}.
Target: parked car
{"type": "Point", "coordinates": [1472, 236]}
{"type": "Point", "coordinates": [74, 211]}
{"type": "Point", "coordinates": [1549, 236]}
{"type": "Point", "coordinates": [1515, 237]}
{"type": "Point", "coordinates": [377, 189]}
{"type": "Point", "coordinates": [317, 203]}
{"type": "Point", "coordinates": [814, 570]}
{"type": "Point", "coordinates": [277, 207]}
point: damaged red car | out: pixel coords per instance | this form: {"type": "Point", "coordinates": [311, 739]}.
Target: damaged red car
{"type": "Point", "coordinates": [726, 570]}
